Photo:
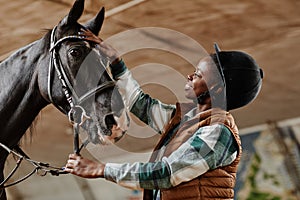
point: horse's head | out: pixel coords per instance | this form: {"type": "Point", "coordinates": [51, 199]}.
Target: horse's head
{"type": "Point", "coordinates": [77, 80]}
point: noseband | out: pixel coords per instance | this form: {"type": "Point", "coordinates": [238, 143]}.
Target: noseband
{"type": "Point", "coordinates": [70, 94]}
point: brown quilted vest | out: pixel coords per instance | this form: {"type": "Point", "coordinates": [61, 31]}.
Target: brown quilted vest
{"type": "Point", "coordinates": [214, 184]}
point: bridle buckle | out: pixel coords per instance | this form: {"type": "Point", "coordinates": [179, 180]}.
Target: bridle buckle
{"type": "Point", "coordinates": [77, 115]}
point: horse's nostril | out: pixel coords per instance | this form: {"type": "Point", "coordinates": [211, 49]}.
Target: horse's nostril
{"type": "Point", "coordinates": [110, 121]}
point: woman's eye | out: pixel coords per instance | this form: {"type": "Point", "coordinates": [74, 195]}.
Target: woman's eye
{"type": "Point", "coordinates": [75, 52]}
{"type": "Point", "coordinates": [196, 75]}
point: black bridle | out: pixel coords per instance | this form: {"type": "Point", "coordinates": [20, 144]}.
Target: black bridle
{"type": "Point", "coordinates": [68, 89]}
{"type": "Point", "coordinates": [77, 114]}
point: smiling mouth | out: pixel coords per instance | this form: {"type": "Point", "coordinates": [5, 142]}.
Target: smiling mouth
{"type": "Point", "coordinates": [188, 87]}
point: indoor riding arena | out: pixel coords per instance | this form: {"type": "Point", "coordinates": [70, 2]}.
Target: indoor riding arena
{"type": "Point", "coordinates": [161, 42]}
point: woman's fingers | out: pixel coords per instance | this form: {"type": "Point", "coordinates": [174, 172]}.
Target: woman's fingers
{"type": "Point", "coordinates": [106, 49]}
{"type": "Point", "coordinates": [73, 156]}
{"type": "Point", "coordinates": [88, 35]}
{"type": "Point", "coordinates": [73, 161]}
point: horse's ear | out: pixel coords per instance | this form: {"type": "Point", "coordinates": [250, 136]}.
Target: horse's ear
{"type": "Point", "coordinates": [95, 24]}
{"type": "Point", "coordinates": [74, 14]}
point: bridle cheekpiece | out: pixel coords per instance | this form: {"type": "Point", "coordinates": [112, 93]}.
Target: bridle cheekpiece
{"type": "Point", "coordinates": [77, 114]}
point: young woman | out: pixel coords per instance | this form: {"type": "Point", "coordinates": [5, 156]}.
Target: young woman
{"type": "Point", "coordinates": [199, 150]}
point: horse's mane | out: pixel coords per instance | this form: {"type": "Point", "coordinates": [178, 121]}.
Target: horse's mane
{"type": "Point", "coordinates": [31, 130]}
{"type": "Point", "coordinates": [47, 35]}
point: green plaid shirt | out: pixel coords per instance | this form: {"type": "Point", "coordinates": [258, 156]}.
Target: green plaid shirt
{"type": "Point", "coordinates": [209, 148]}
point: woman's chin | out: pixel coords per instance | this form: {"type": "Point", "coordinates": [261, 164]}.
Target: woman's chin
{"type": "Point", "coordinates": [190, 96]}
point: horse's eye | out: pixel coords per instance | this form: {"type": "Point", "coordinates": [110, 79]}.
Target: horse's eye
{"type": "Point", "coordinates": [75, 52]}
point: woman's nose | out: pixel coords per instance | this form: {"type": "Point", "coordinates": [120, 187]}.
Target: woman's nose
{"type": "Point", "coordinates": [190, 77]}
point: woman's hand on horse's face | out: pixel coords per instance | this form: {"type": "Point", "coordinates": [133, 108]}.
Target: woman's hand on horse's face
{"type": "Point", "coordinates": [104, 48]}
{"type": "Point", "coordinates": [88, 35]}
{"type": "Point", "coordinates": [83, 167]}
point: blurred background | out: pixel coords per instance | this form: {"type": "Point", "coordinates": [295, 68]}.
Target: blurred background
{"type": "Point", "coordinates": [270, 126]}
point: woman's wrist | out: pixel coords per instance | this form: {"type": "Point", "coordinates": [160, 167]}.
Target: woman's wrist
{"type": "Point", "coordinates": [116, 60]}
{"type": "Point", "coordinates": [117, 68]}
{"type": "Point", "coordinates": [100, 171]}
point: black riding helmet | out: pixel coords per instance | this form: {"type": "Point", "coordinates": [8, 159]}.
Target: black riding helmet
{"type": "Point", "coordinates": [242, 75]}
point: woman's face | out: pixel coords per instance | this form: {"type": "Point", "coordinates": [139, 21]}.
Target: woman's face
{"type": "Point", "coordinates": [198, 81]}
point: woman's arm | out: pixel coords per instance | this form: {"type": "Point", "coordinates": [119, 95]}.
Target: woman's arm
{"type": "Point", "coordinates": [209, 148]}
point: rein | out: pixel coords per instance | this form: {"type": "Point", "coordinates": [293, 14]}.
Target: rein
{"type": "Point", "coordinates": [76, 115]}
{"type": "Point", "coordinates": [40, 168]}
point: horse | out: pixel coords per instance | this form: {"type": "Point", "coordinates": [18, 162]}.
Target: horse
{"type": "Point", "coordinates": [64, 70]}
